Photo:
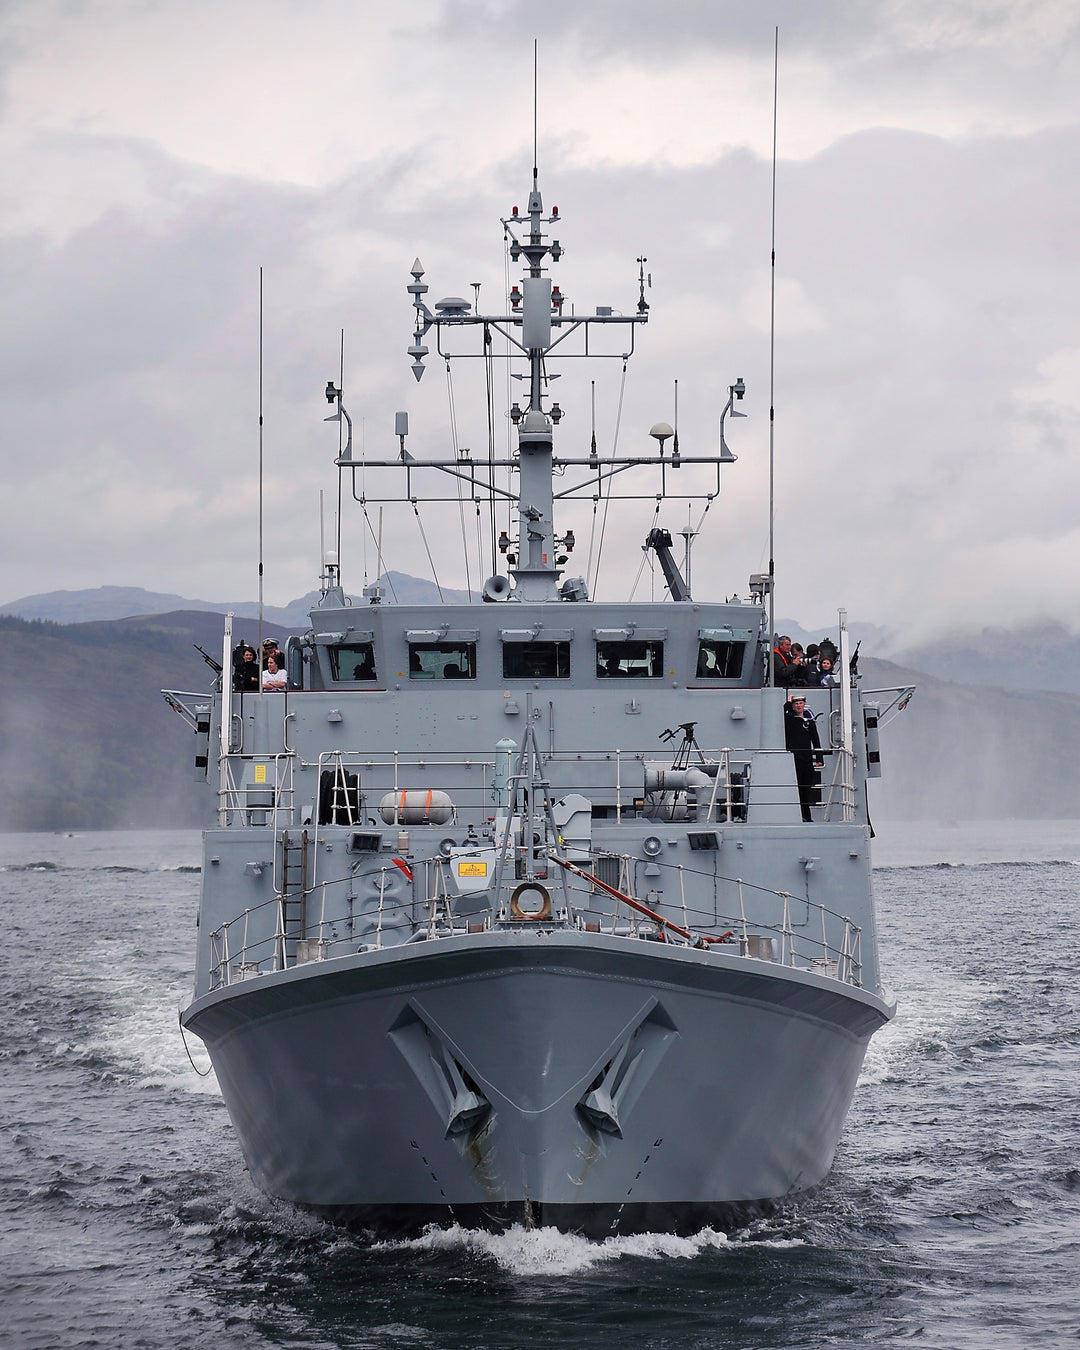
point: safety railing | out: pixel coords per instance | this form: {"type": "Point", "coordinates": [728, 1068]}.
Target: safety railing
{"type": "Point", "coordinates": [257, 790]}
{"type": "Point", "coordinates": [837, 953]}
{"type": "Point", "coordinates": [738, 785]}
{"type": "Point", "coordinates": [757, 924]}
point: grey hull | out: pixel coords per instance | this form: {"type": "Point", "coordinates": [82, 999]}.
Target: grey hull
{"type": "Point", "coordinates": [601, 1084]}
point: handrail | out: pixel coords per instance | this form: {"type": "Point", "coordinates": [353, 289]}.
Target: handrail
{"type": "Point", "coordinates": [234, 797]}
{"type": "Point", "coordinates": [601, 773]}
{"type": "Point", "coordinates": [839, 958]}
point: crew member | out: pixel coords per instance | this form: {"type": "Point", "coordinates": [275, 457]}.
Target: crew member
{"type": "Point", "coordinates": [801, 738]}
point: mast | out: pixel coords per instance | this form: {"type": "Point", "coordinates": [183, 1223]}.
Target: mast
{"type": "Point", "coordinates": [536, 327]}
{"type": "Point", "coordinates": [535, 572]}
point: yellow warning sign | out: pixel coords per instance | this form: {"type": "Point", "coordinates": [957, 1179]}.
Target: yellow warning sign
{"type": "Point", "coordinates": [260, 773]}
{"type": "Point", "coordinates": [472, 869]}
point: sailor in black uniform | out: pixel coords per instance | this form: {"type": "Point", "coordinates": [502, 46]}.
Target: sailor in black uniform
{"type": "Point", "coordinates": [801, 738]}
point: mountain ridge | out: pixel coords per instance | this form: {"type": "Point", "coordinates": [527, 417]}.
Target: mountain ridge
{"type": "Point", "coordinates": [106, 603]}
{"type": "Point", "coordinates": [1036, 655]}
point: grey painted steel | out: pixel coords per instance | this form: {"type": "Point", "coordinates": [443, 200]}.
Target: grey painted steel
{"type": "Point", "coordinates": [336, 1081]}
{"type": "Point", "coordinates": [511, 912]}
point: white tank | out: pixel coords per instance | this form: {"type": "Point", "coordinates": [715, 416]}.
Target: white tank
{"type": "Point", "coordinates": [416, 806]}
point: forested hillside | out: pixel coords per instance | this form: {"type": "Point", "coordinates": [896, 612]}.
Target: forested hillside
{"type": "Point", "coordinates": [86, 740]}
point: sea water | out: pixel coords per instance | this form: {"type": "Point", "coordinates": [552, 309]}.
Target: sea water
{"type": "Point", "coordinates": [951, 1218]}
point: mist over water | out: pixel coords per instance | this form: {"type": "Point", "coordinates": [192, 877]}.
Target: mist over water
{"type": "Point", "coordinates": [951, 1218]}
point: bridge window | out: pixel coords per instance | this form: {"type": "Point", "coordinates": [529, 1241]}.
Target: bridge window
{"type": "Point", "coordinates": [442, 660]}
{"type": "Point", "coordinates": [719, 659]}
{"type": "Point", "coordinates": [353, 661]}
{"type": "Point", "coordinates": [629, 660]}
{"type": "Point", "coordinates": [536, 660]}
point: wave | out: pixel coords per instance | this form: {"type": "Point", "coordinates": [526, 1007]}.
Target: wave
{"type": "Point", "coordinates": [932, 1005]}
{"type": "Point", "coordinates": [135, 1029]}
{"type": "Point", "coordinates": [538, 1252]}
{"type": "Point", "coordinates": [46, 865]}
{"type": "Point", "coordinates": [984, 864]}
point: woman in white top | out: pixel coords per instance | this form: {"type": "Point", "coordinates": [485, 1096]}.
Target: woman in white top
{"type": "Point", "coordinates": [273, 678]}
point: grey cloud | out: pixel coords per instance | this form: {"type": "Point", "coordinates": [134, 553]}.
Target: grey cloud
{"type": "Point", "coordinates": [835, 30]}
{"type": "Point", "coordinates": [924, 285]}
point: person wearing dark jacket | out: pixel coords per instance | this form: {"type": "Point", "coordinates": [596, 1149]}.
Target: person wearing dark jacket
{"type": "Point", "coordinates": [801, 738]}
{"type": "Point", "coordinates": [245, 668]}
{"type": "Point", "coordinates": [782, 667]}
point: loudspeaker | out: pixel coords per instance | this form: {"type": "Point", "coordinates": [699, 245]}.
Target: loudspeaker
{"type": "Point", "coordinates": [497, 588]}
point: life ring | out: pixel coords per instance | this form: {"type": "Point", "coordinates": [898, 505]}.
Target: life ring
{"type": "Point", "coordinates": [532, 888]}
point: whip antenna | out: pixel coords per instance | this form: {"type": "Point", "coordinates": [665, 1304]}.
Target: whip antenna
{"type": "Point", "coordinates": [772, 379]}
{"type": "Point", "coordinates": [341, 385]}
{"type": "Point", "coordinates": [260, 468]}
{"type": "Point", "coordinates": [322, 531]}
{"type": "Point", "coordinates": [535, 108]}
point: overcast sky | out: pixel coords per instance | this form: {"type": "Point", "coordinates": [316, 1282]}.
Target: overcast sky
{"type": "Point", "coordinates": [157, 154]}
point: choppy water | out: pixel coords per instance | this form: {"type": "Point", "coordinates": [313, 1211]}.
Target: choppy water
{"type": "Point", "coordinates": [952, 1217]}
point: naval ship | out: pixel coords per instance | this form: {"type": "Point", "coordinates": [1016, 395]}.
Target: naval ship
{"type": "Point", "coordinates": [521, 910]}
